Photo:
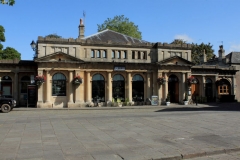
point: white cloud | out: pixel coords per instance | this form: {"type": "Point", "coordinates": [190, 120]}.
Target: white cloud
{"type": "Point", "coordinates": [234, 47]}
{"type": "Point", "coordinates": [184, 37]}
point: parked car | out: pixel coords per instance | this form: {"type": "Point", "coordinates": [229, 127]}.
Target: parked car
{"type": "Point", "coordinates": [7, 103]}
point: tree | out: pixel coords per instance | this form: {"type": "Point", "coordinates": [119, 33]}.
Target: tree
{"type": "Point", "coordinates": [8, 2]}
{"type": "Point", "coordinates": [10, 53]}
{"type": "Point", "coordinates": [122, 25]}
{"type": "Point", "coordinates": [2, 37]}
{"type": "Point", "coordinates": [7, 53]}
{"type": "Point", "coordinates": [197, 50]}
{"type": "Point", "coordinates": [54, 35]}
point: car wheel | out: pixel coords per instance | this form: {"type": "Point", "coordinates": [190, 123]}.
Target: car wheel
{"type": "Point", "coordinates": [5, 108]}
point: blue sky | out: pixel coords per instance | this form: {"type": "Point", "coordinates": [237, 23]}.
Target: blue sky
{"type": "Point", "coordinates": [208, 21]}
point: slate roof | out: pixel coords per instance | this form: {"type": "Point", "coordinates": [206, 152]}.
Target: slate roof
{"type": "Point", "coordinates": [234, 57]}
{"type": "Point", "coordinates": [114, 37]}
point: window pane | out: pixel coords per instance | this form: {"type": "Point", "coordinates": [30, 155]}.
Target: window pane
{"type": "Point", "coordinates": [104, 54]}
{"type": "Point", "coordinates": [92, 53]}
{"type": "Point", "coordinates": [133, 55]}
{"type": "Point", "coordinates": [113, 54]}
{"type": "Point", "coordinates": [59, 85]}
{"type": "Point", "coordinates": [139, 55]}
{"type": "Point", "coordinates": [124, 54]}
{"type": "Point", "coordinates": [119, 54]}
{"type": "Point", "coordinates": [98, 54]}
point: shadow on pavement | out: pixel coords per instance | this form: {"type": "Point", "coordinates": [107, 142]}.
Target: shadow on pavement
{"type": "Point", "coordinates": [234, 106]}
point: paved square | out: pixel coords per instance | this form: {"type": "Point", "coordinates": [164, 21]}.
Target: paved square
{"type": "Point", "coordinates": [114, 133]}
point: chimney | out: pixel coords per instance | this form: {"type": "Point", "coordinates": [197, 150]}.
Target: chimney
{"type": "Point", "coordinates": [203, 57]}
{"type": "Point", "coordinates": [81, 29]}
{"type": "Point", "coordinates": [221, 53]}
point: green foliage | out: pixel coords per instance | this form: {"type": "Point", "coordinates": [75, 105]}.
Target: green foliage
{"type": "Point", "coordinates": [197, 50]}
{"type": "Point", "coordinates": [2, 37]}
{"type": "Point", "coordinates": [168, 97]}
{"type": "Point", "coordinates": [54, 35]}
{"type": "Point", "coordinates": [8, 2]}
{"type": "Point", "coordinates": [10, 53]}
{"type": "Point", "coordinates": [122, 25]}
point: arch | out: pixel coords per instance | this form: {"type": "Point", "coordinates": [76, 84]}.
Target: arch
{"type": "Point", "coordinates": [173, 88]}
{"type": "Point", "coordinates": [98, 88]}
{"type": "Point", "coordinates": [118, 87]}
{"type": "Point", "coordinates": [25, 81]}
{"type": "Point", "coordinates": [195, 89]}
{"type": "Point", "coordinates": [59, 84]}
{"type": "Point", "coordinates": [138, 88]}
{"type": "Point", "coordinates": [209, 90]}
{"type": "Point", "coordinates": [6, 85]}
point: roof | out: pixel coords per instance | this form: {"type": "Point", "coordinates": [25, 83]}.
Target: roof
{"type": "Point", "coordinates": [234, 57]}
{"type": "Point", "coordinates": [114, 37]}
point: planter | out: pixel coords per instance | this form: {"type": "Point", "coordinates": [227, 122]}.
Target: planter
{"type": "Point", "coordinates": [167, 103]}
{"type": "Point", "coordinates": [39, 83]}
{"type": "Point", "coordinates": [185, 102]}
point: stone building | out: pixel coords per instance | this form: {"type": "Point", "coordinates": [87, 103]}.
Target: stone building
{"type": "Point", "coordinates": [114, 67]}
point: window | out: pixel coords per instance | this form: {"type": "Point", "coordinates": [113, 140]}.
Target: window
{"type": "Point", "coordinates": [104, 54]}
{"type": "Point", "coordinates": [119, 55]}
{"type": "Point", "coordinates": [92, 54]}
{"type": "Point", "coordinates": [59, 85]}
{"type": "Point", "coordinates": [25, 81]}
{"type": "Point", "coordinates": [98, 54]}
{"type": "Point", "coordinates": [139, 55]}
{"type": "Point", "coordinates": [113, 54]}
{"type": "Point", "coordinates": [125, 54]}
{"type": "Point", "coordinates": [144, 55]}
{"type": "Point", "coordinates": [98, 88]}
{"type": "Point", "coordinates": [133, 55]}
{"type": "Point", "coordinates": [223, 89]}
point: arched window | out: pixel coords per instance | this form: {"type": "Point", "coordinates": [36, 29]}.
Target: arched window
{"type": "Point", "coordinates": [58, 85]}
{"type": "Point", "coordinates": [208, 80]}
{"type": "Point", "coordinates": [118, 87]}
{"type": "Point", "coordinates": [138, 88]}
{"type": "Point", "coordinates": [25, 81]}
{"type": "Point", "coordinates": [98, 88]}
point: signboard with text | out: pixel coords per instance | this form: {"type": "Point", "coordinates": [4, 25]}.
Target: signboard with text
{"type": "Point", "coordinates": [119, 68]}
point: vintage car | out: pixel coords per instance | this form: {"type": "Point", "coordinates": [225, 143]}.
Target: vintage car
{"type": "Point", "coordinates": [7, 103]}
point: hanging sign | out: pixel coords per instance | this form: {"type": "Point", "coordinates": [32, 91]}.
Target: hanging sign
{"type": "Point", "coordinates": [119, 68]}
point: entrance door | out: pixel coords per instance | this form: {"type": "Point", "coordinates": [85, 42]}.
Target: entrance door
{"type": "Point", "coordinates": [208, 90]}
{"type": "Point", "coordinates": [118, 87]}
{"type": "Point", "coordinates": [195, 90]}
{"type": "Point", "coordinates": [138, 88]}
{"type": "Point", "coordinates": [173, 88]}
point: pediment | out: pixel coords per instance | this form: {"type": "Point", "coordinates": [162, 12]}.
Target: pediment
{"type": "Point", "coordinates": [176, 60]}
{"type": "Point", "coordinates": [59, 57]}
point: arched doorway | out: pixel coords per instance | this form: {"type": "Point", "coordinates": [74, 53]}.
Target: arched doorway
{"type": "Point", "coordinates": [137, 88]}
{"type": "Point", "coordinates": [98, 88]}
{"type": "Point", "coordinates": [118, 87]}
{"type": "Point", "coordinates": [6, 85]}
{"type": "Point", "coordinates": [209, 90]}
{"type": "Point", "coordinates": [173, 88]}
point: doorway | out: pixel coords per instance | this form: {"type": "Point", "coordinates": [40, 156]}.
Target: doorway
{"type": "Point", "coordinates": [173, 88]}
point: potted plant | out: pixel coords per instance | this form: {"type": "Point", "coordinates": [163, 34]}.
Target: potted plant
{"type": "Point", "coordinates": [168, 99]}
{"type": "Point", "coordinates": [191, 80]}
{"type": "Point", "coordinates": [40, 80]}
{"type": "Point", "coordinates": [161, 80]}
{"type": "Point", "coordinates": [77, 80]}
{"type": "Point", "coordinates": [119, 102]}
{"type": "Point", "coordinates": [185, 101]}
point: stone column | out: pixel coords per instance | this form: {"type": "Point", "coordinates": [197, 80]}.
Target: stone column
{"type": "Point", "coordinates": [160, 89]}
{"type": "Point", "coordinates": [183, 86]}
{"type": "Point", "coordinates": [109, 88]}
{"type": "Point", "coordinates": [154, 84]}
{"type": "Point", "coordinates": [148, 86]}
{"type": "Point", "coordinates": [215, 89]}
{"type": "Point", "coordinates": [129, 79]}
{"type": "Point", "coordinates": [203, 86]}
{"type": "Point", "coordinates": [40, 92]}
{"type": "Point", "coordinates": [16, 91]}
{"type": "Point", "coordinates": [48, 90]}
{"type": "Point", "coordinates": [89, 88]}
{"type": "Point", "coordinates": [165, 87]}
{"type": "Point", "coordinates": [70, 89]}
{"type": "Point", "coordinates": [233, 91]}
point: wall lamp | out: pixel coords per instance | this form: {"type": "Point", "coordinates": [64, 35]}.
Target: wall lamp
{"type": "Point", "coordinates": [33, 45]}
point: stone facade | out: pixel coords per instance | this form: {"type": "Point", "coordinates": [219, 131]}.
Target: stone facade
{"type": "Point", "coordinates": [113, 68]}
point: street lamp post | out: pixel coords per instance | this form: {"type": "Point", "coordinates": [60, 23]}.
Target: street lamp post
{"type": "Point", "coordinates": [34, 47]}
